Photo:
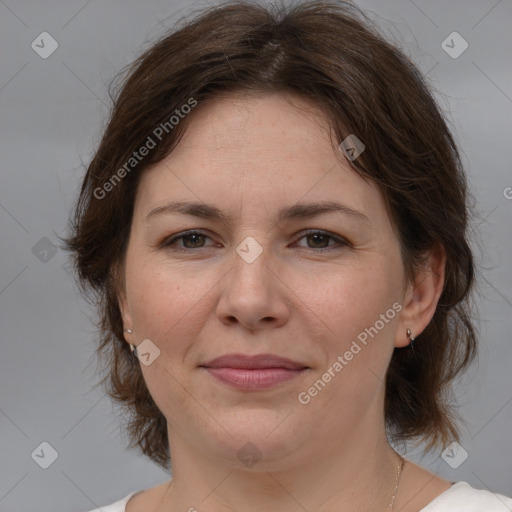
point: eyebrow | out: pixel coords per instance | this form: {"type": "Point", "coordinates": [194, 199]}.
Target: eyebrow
{"type": "Point", "coordinates": [297, 211]}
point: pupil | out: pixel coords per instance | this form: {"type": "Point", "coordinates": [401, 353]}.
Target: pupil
{"type": "Point", "coordinates": [317, 236]}
{"type": "Point", "coordinates": [194, 236]}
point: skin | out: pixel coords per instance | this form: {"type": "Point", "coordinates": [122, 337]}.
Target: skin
{"type": "Point", "coordinates": [250, 156]}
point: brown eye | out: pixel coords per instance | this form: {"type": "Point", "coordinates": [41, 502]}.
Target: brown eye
{"type": "Point", "coordinates": [194, 238]}
{"type": "Point", "coordinates": [191, 240]}
{"type": "Point", "coordinates": [319, 240]}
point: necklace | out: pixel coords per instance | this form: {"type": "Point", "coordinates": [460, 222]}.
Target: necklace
{"type": "Point", "coordinates": [399, 471]}
{"type": "Point", "coordinates": [398, 478]}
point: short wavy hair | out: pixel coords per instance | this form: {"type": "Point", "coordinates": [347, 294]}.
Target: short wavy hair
{"type": "Point", "coordinates": [330, 53]}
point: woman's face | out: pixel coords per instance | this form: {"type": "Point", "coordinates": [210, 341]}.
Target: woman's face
{"type": "Point", "coordinates": [270, 275]}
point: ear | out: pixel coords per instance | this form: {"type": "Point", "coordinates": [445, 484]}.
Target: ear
{"type": "Point", "coordinates": [422, 296]}
{"type": "Point", "coordinates": [118, 272]}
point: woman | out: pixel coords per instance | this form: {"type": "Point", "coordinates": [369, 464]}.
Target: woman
{"type": "Point", "coordinates": [275, 225]}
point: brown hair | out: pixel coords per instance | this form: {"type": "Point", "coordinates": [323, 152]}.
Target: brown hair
{"type": "Point", "coordinates": [330, 53]}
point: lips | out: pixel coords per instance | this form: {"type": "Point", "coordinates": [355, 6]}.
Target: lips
{"type": "Point", "coordinates": [253, 373]}
{"type": "Point", "coordinates": [260, 361]}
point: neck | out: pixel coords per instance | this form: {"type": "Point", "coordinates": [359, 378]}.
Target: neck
{"type": "Point", "coordinates": [358, 474]}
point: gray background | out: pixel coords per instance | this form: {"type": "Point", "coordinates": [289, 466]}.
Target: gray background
{"type": "Point", "coordinates": [52, 113]}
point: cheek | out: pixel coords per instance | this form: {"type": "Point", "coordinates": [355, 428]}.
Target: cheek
{"type": "Point", "coordinates": [351, 305]}
{"type": "Point", "coordinates": [351, 299]}
{"type": "Point", "coordinates": [159, 298]}
{"type": "Point", "coordinates": [358, 344]}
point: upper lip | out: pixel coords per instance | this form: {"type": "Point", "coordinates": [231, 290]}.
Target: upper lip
{"type": "Point", "coordinates": [253, 362]}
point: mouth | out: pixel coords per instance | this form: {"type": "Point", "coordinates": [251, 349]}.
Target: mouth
{"type": "Point", "coordinates": [253, 372]}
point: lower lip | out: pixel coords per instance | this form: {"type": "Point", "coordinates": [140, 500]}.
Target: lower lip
{"type": "Point", "coordinates": [247, 380]}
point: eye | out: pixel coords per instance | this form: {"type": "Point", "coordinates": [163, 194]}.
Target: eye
{"type": "Point", "coordinates": [320, 238]}
{"type": "Point", "coordinates": [191, 239]}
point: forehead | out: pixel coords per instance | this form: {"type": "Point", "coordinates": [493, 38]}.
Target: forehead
{"type": "Point", "coordinates": [257, 150]}
{"type": "Point", "coordinates": [241, 123]}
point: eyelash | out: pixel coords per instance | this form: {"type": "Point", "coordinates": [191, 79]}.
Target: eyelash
{"type": "Point", "coordinates": [170, 243]}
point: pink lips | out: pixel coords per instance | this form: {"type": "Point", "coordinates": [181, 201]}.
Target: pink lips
{"type": "Point", "coordinates": [253, 372]}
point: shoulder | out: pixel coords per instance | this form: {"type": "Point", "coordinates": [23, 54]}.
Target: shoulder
{"type": "Point", "coordinates": [118, 506]}
{"type": "Point", "coordinates": [461, 497]}
{"type": "Point", "coordinates": [147, 499]}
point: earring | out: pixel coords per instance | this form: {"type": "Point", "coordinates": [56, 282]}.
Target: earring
{"type": "Point", "coordinates": [411, 338]}
{"type": "Point", "coordinates": [132, 347]}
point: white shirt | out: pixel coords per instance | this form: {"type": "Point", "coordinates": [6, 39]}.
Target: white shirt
{"type": "Point", "coordinates": [460, 497]}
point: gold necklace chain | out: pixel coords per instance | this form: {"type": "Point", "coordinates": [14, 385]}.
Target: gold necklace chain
{"type": "Point", "coordinates": [398, 478]}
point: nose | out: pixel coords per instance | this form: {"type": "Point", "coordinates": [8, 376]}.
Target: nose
{"type": "Point", "coordinates": [253, 294]}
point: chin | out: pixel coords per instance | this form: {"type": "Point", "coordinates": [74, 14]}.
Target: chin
{"type": "Point", "coordinates": [259, 438]}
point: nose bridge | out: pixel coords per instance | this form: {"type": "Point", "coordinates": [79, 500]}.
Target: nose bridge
{"type": "Point", "coordinates": [250, 250]}
{"type": "Point", "coordinates": [251, 263]}
{"type": "Point", "coordinates": [250, 293]}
